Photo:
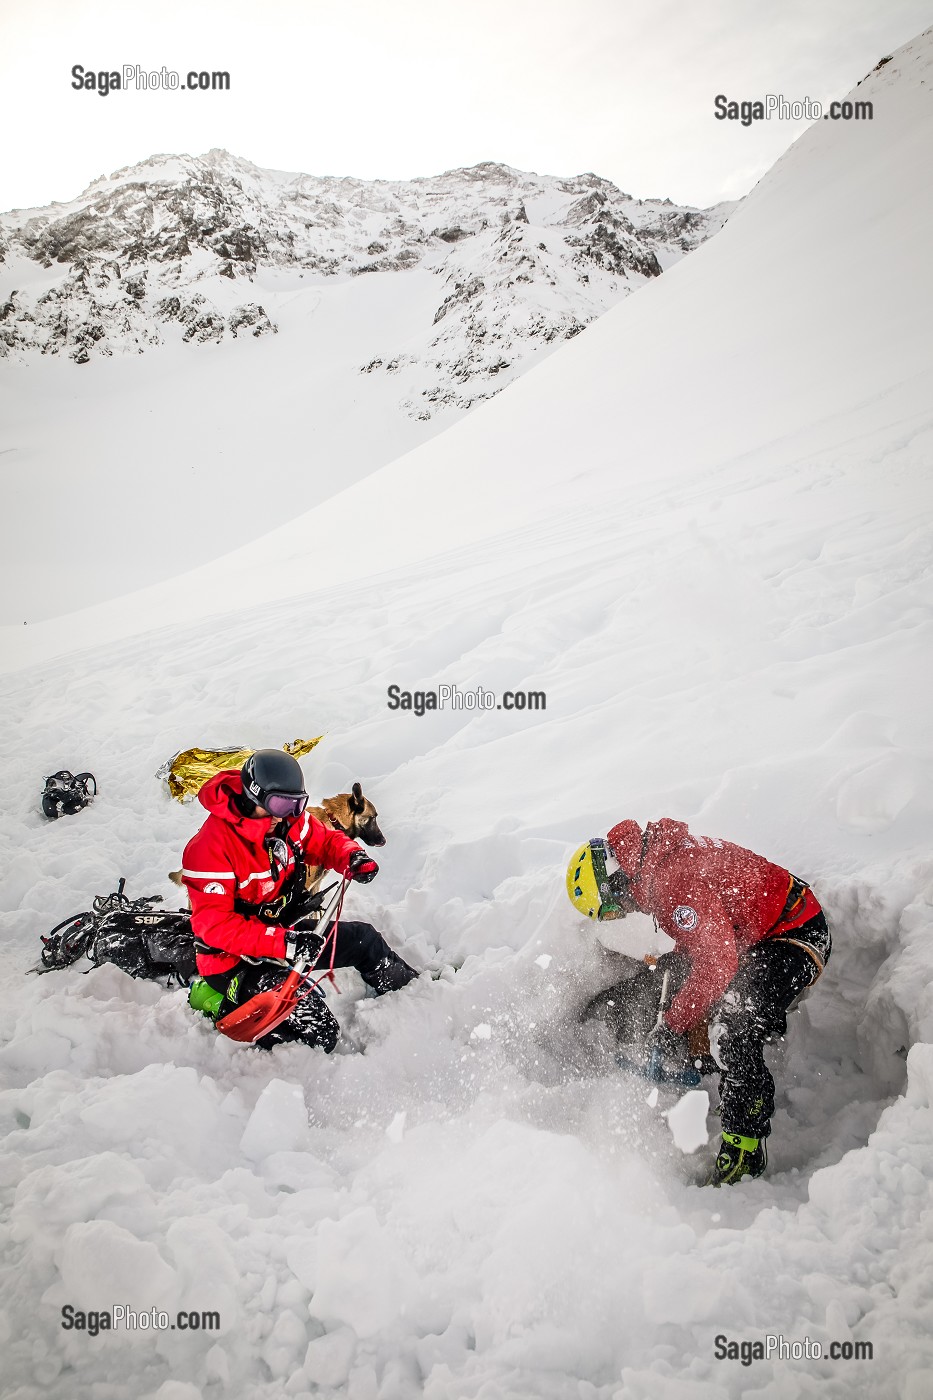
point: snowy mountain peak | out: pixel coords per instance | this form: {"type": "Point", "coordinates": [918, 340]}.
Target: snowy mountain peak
{"type": "Point", "coordinates": [147, 255]}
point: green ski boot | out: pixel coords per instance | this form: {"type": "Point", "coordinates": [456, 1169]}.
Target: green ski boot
{"type": "Point", "coordinates": [202, 997]}
{"type": "Point", "coordinates": [738, 1156]}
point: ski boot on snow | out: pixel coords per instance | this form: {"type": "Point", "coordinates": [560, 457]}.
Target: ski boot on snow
{"type": "Point", "coordinates": [738, 1156]}
{"type": "Point", "coordinates": [205, 998]}
{"type": "Point", "coordinates": [312, 1023]}
{"type": "Point", "coordinates": [389, 975]}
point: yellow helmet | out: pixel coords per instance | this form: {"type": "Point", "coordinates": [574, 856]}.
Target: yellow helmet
{"type": "Point", "coordinates": [588, 883]}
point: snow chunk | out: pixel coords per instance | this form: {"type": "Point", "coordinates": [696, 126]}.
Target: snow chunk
{"type": "Point", "coordinates": [284, 1345]}
{"type": "Point", "coordinates": [295, 1171]}
{"type": "Point", "coordinates": [544, 961]}
{"type": "Point", "coordinates": [175, 1390]}
{"type": "Point", "coordinates": [920, 1076]}
{"type": "Point", "coordinates": [328, 1359]}
{"type": "Point", "coordinates": [55, 1197]}
{"type": "Point", "coordinates": [102, 1260]}
{"type": "Point", "coordinates": [683, 1290]}
{"type": "Point", "coordinates": [208, 1278]}
{"type": "Point", "coordinates": [481, 1032]}
{"type": "Point", "coordinates": [278, 1123]}
{"type": "Point", "coordinates": [687, 1120]}
{"type": "Point", "coordinates": [396, 1129]}
{"type": "Point", "coordinates": [217, 1365]}
{"type": "Point", "coordinates": [363, 1278]}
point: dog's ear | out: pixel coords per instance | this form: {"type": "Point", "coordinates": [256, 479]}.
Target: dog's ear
{"type": "Point", "coordinates": [356, 800]}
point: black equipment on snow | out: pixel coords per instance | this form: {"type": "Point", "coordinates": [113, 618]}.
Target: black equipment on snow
{"type": "Point", "coordinates": [129, 933]}
{"type": "Point", "coordinates": [66, 793]}
{"type": "Point", "coordinates": [67, 942]}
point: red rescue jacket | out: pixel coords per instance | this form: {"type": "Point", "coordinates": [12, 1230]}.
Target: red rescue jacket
{"type": "Point", "coordinates": [713, 898]}
{"type": "Point", "coordinates": [227, 860]}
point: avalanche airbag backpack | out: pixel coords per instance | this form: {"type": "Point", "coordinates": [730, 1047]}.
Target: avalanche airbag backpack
{"type": "Point", "coordinates": [154, 944]}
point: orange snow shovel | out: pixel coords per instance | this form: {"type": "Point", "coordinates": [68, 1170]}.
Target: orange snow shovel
{"type": "Point", "coordinates": [266, 1010]}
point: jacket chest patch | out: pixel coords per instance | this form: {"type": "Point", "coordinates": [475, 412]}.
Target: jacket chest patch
{"type": "Point", "coordinates": [686, 917]}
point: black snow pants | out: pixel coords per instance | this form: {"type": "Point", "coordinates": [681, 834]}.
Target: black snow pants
{"type": "Point", "coordinates": [359, 945]}
{"type": "Point", "coordinates": [753, 1009]}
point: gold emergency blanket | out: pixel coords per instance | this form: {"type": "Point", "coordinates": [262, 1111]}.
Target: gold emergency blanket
{"type": "Point", "coordinates": [186, 773]}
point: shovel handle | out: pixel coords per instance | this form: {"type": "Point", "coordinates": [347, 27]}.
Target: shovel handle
{"type": "Point", "coordinates": [658, 1026]}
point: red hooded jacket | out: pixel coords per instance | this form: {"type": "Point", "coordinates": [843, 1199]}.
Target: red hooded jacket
{"type": "Point", "coordinates": [227, 860]}
{"type": "Point", "coordinates": [714, 899]}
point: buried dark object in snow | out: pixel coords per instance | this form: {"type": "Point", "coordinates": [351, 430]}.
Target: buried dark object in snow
{"type": "Point", "coordinates": [66, 793]}
{"type": "Point", "coordinates": [153, 944]}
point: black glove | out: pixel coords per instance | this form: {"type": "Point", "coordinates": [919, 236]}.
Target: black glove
{"type": "Point", "coordinates": [298, 909]}
{"type": "Point", "coordinates": [288, 913]}
{"type": "Point", "coordinates": [667, 1051]}
{"type": "Point", "coordinates": [302, 945]}
{"type": "Point", "coordinates": [362, 868]}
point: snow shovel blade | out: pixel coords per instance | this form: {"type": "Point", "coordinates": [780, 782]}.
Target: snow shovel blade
{"type": "Point", "coordinates": [266, 1010]}
{"type": "Point", "coordinates": [653, 1068]}
{"type": "Point", "coordinates": [687, 1078]}
{"type": "Point", "coordinates": [263, 1012]}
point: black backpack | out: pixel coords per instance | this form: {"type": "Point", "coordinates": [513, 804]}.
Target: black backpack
{"type": "Point", "coordinates": [66, 793]}
{"type": "Point", "coordinates": [156, 945]}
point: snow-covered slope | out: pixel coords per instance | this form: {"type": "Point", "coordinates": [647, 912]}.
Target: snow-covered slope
{"type": "Point", "coordinates": [703, 529]}
{"type": "Point", "coordinates": [317, 327]}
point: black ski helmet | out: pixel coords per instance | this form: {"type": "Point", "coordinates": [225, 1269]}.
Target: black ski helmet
{"type": "Point", "coordinates": [270, 772]}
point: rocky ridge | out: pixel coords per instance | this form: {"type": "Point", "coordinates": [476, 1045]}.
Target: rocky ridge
{"type": "Point", "coordinates": [171, 249]}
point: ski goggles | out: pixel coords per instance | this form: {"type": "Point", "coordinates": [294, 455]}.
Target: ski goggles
{"type": "Point", "coordinates": [615, 891]}
{"type": "Point", "coordinates": [285, 804]}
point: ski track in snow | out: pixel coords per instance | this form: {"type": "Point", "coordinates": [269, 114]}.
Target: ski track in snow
{"type": "Point", "coordinates": [467, 1201]}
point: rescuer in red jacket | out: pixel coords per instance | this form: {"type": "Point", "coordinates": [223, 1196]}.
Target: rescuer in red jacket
{"type": "Point", "coordinates": [749, 938]}
{"type": "Point", "coordinates": [250, 911]}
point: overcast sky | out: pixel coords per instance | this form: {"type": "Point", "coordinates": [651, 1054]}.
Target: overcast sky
{"type": "Point", "coordinates": [397, 88]}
